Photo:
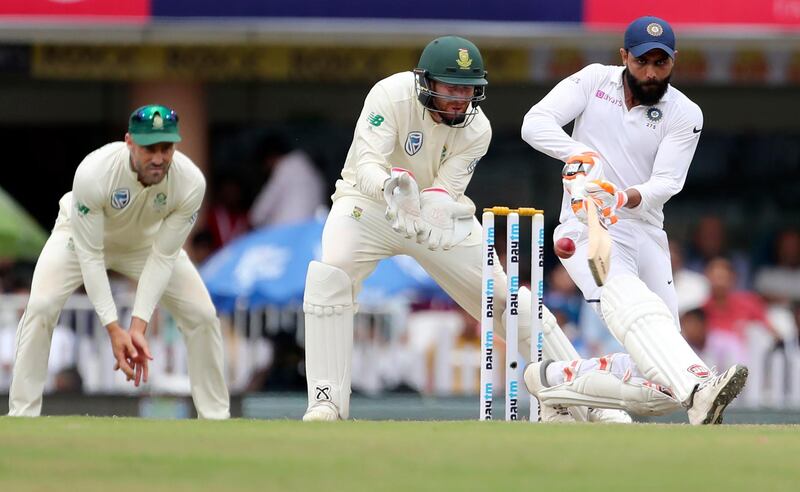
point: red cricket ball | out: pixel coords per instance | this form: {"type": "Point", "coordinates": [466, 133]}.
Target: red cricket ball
{"type": "Point", "coordinates": [565, 247]}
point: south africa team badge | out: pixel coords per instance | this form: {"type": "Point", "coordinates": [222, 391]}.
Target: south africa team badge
{"type": "Point", "coordinates": [413, 142]}
{"type": "Point", "coordinates": [120, 198]}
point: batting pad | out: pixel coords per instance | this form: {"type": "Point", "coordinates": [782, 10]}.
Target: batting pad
{"type": "Point", "coordinates": [558, 347]}
{"type": "Point", "coordinates": [328, 307]}
{"type": "Point", "coordinates": [642, 322]}
{"type": "Point", "coordinates": [602, 389]}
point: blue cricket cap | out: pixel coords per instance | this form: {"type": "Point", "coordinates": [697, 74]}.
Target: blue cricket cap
{"type": "Point", "coordinates": [649, 33]}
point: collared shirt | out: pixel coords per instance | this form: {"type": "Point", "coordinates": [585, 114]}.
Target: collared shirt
{"type": "Point", "coordinates": [648, 148]}
{"type": "Point", "coordinates": [395, 130]}
{"type": "Point", "coordinates": [110, 214]}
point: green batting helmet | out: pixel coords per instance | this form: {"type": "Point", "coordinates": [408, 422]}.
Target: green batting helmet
{"type": "Point", "coordinates": [451, 60]}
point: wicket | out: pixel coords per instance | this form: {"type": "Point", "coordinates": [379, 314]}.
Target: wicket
{"type": "Point", "coordinates": [512, 384]}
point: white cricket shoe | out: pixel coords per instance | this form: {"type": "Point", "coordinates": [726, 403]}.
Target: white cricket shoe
{"type": "Point", "coordinates": [536, 380]}
{"type": "Point", "coordinates": [609, 416]}
{"type": "Point", "coordinates": [321, 412]}
{"type": "Point", "coordinates": [710, 399]}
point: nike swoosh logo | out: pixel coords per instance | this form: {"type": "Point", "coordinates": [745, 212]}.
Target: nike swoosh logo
{"type": "Point", "coordinates": [669, 282]}
{"type": "Point", "coordinates": [696, 130]}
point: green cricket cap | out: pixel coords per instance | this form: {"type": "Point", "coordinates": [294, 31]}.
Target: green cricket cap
{"type": "Point", "coordinates": [153, 124]}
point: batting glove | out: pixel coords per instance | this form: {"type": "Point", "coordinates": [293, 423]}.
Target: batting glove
{"type": "Point", "coordinates": [608, 198]}
{"type": "Point", "coordinates": [445, 222]}
{"type": "Point", "coordinates": [401, 193]}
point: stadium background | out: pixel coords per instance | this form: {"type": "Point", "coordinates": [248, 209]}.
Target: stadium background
{"type": "Point", "coordinates": [70, 72]}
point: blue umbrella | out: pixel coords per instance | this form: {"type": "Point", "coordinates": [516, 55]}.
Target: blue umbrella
{"type": "Point", "coordinates": [268, 267]}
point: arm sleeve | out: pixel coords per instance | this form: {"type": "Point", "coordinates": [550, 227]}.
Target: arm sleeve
{"type": "Point", "coordinates": [672, 161]}
{"type": "Point", "coordinates": [455, 172]}
{"type": "Point", "coordinates": [167, 245]}
{"type": "Point", "coordinates": [375, 137]}
{"type": "Point", "coordinates": [87, 223]}
{"type": "Point", "coordinates": [543, 126]}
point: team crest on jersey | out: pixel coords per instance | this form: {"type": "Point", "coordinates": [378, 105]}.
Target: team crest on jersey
{"type": "Point", "coordinates": [413, 142]}
{"type": "Point", "coordinates": [464, 61]}
{"type": "Point", "coordinates": [357, 213]}
{"type": "Point", "coordinates": [120, 198]}
{"type": "Point", "coordinates": [654, 114]}
{"type": "Point", "coordinates": [159, 201]}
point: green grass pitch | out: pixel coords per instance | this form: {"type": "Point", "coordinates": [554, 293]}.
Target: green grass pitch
{"type": "Point", "coordinates": [123, 454]}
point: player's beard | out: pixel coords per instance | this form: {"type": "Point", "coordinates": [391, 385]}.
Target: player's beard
{"type": "Point", "coordinates": [647, 93]}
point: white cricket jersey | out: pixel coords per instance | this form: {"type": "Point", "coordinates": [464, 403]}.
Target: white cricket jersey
{"type": "Point", "coordinates": [395, 130]}
{"type": "Point", "coordinates": [648, 148]}
{"type": "Point", "coordinates": [110, 211]}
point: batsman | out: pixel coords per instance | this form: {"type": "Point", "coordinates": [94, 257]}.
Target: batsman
{"type": "Point", "coordinates": [402, 190]}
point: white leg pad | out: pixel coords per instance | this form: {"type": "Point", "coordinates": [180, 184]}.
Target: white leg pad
{"type": "Point", "coordinates": [524, 323]}
{"type": "Point", "coordinates": [329, 310]}
{"type": "Point", "coordinates": [642, 322]}
{"type": "Point", "coordinates": [602, 389]}
{"type": "Point", "coordinates": [558, 347]}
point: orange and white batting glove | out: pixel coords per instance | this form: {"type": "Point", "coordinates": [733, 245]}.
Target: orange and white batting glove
{"type": "Point", "coordinates": [608, 198]}
{"type": "Point", "coordinates": [576, 170]}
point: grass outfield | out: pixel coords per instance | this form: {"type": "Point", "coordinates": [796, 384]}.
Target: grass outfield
{"type": "Point", "coordinates": [122, 454]}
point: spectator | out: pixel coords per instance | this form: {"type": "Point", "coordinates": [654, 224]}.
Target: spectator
{"type": "Point", "coordinates": [294, 189]}
{"type": "Point", "coordinates": [692, 287]}
{"type": "Point", "coordinates": [710, 241]}
{"type": "Point", "coordinates": [227, 214]}
{"type": "Point", "coordinates": [780, 281]}
{"type": "Point", "coordinates": [730, 312]}
{"type": "Point", "coordinates": [695, 330]}
{"type": "Point", "coordinates": [563, 299]}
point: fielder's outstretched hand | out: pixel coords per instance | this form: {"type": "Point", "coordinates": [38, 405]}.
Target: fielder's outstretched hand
{"type": "Point", "coordinates": [137, 333]}
{"type": "Point", "coordinates": [401, 193]}
{"type": "Point", "coordinates": [445, 222]}
{"type": "Point", "coordinates": [123, 349]}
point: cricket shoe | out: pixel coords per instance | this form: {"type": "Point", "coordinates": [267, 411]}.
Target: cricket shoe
{"type": "Point", "coordinates": [321, 412]}
{"type": "Point", "coordinates": [710, 399]}
{"type": "Point", "coordinates": [536, 380]}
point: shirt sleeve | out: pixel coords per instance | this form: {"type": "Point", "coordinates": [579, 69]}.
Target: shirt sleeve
{"type": "Point", "coordinates": [375, 139]}
{"type": "Point", "coordinates": [455, 172]}
{"type": "Point", "coordinates": [87, 222]}
{"type": "Point", "coordinates": [167, 245]}
{"type": "Point", "coordinates": [542, 127]}
{"type": "Point", "coordinates": [672, 161]}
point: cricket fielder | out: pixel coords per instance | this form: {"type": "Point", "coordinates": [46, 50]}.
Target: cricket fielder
{"type": "Point", "coordinates": [633, 140]}
{"type": "Point", "coordinates": [417, 141]}
{"type": "Point", "coordinates": [130, 210]}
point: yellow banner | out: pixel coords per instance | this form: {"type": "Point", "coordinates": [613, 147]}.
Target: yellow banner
{"type": "Point", "coordinates": [269, 63]}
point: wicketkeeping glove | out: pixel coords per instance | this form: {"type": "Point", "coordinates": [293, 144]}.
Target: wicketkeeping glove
{"type": "Point", "coordinates": [445, 222]}
{"type": "Point", "coordinates": [401, 193]}
{"type": "Point", "coordinates": [607, 197]}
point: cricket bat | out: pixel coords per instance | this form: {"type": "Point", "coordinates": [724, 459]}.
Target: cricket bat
{"type": "Point", "coordinates": [599, 252]}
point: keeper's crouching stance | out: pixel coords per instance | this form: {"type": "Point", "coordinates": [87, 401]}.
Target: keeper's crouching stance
{"type": "Point", "coordinates": [416, 144]}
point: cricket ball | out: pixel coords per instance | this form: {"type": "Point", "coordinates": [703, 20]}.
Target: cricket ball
{"type": "Point", "coordinates": [565, 247]}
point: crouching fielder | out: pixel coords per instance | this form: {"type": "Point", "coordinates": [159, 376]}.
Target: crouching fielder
{"type": "Point", "coordinates": [130, 210]}
{"type": "Point", "coordinates": [428, 124]}
{"type": "Point", "coordinates": [632, 143]}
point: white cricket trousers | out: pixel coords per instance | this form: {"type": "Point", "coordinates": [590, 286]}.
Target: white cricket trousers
{"type": "Point", "coordinates": [58, 274]}
{"type": "Point", "coordinates": [357, 235]}
{"type": "Point", "coordinates": [638, 248]}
